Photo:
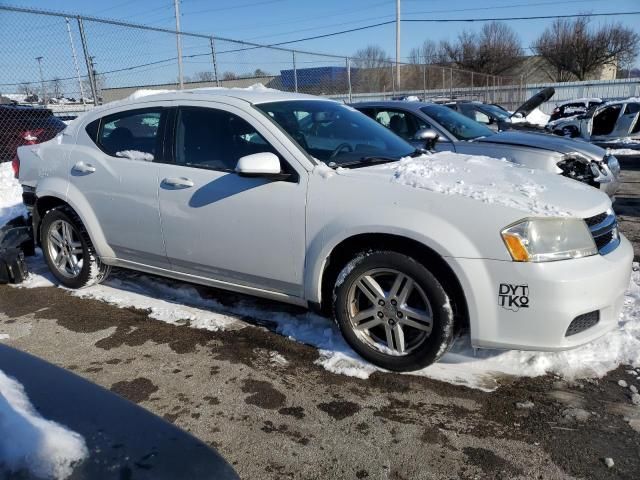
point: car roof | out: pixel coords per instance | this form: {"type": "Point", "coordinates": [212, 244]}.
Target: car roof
{"type": "Point", "coordinates": [415, 106]}
{"type": "Point", "coordinates": [255, 94]}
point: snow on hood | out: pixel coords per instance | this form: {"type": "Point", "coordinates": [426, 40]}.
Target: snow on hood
{"type": "Point", "coordinates": [494, 181]}
{"type": "Point", "coordinates": [29, 442]}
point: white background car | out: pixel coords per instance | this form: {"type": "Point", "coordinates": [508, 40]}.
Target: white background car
{"type": "Point", "coordinates": [231, 188]}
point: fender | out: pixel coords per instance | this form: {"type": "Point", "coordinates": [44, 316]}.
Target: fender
{"type": "Point", "coordinates": [67, 192]}
{"type": "Point", "coordinates": [328, 238]}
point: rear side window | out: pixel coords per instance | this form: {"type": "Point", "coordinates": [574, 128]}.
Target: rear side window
{"type": "Point", "coordinates": [134, 134]}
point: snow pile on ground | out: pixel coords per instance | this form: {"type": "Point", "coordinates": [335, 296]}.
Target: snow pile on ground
{"type": "Point", "coordinates": [31, 443]}
{"type": "Point", "coordinates": [10, 194]}
{"type": "Point", "coordinates": [478, 177]}
{"type": "Point", "coordinates": [178, 303]}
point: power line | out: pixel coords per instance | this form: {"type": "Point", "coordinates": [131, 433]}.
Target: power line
{"type": "Point", "coordinates": [508, 19]}
{"type": "Point", "coordinates": [495, 7]}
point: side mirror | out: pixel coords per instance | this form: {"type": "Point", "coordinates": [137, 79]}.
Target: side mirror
{"type": "Point", "coordinates": [427, 135]}
{"type": "Point", "coordinates": [264, 164]}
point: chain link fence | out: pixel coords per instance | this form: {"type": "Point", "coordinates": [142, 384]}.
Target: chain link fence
{"type": "Point", "coordinates": [68, 63]}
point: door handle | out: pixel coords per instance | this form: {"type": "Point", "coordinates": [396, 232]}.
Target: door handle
{"type": "Point", "coordinates": [178, 182]}
{"type": "Point", "coordinates": [82, 167]}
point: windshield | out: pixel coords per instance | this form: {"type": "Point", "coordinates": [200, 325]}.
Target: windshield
{"type": "Point", "coordinates": [461, 127]}
{"type": "Point", "coordinates": [495, 111]}
{"type": "Point", "coordinates": [334, 133]}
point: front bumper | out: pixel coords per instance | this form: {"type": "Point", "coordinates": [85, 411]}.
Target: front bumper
{"type": "Point", "coordinates": [529, 306]}
{"type": "Point", "coordinates": [610, 178]}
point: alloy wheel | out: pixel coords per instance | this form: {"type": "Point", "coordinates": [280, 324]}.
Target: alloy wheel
{"type": "Point", "coordinates": [389, 311]}
{"type": "Point", "coordinates": [65, 248]}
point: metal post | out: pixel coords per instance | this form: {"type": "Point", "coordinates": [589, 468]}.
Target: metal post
{"type": "Point", "coordinates": [75, 60]}
{"type": "Point", "coordinates": [348, 63]}
{"type": "Point", "coordinates": [295, 73]}
{"type": "Point", "coordinates": [176, 6]}
{"type": "Point", "coordinates": [87, 59]}
{"type": "Point", "coordinates": [44, 92]}
{"type": "Point", "coordinates": [424, 79]}
{"type": "Point", "coordinates": [393, 80]}
{"type": "Point", "coordinates": [451, 83]}
{"type": "Point", "coordinates": [215, 61]}
{"type": "Point", "coordinates": [444, 83]}
{"type": "Point", "coordinates": [398, 43]}
{"type": "Point", "coordinates": [471, 85]}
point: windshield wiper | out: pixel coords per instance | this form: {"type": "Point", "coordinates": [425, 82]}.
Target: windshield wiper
{"type": "Point", "coordinates": [370, 160]}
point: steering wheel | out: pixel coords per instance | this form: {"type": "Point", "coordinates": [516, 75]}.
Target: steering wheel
{"type": "Point", "coordinates": [343, 146]}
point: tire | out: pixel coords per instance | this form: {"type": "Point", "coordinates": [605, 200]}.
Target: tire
{"type": "Point", "coordinates": [406, 306]}
{"type": "Point", "coordinates": [72, 240]}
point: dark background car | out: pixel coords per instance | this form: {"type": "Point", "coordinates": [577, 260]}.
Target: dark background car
{"type": "Point", "coordinates": [25, 125]}
{"type": "Point", "coordinates": [500, 119]}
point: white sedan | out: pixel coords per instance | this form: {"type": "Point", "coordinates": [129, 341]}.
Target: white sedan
{"type": "Point", "coordinates": [307, 201]}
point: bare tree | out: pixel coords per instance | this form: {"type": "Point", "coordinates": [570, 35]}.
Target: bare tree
{"type": "Point", "coordinates": [26, 88]}
{"type": "Point", "coordinates": [258, 72]}
{"type": "Point", "coordinates": [229, 76]}
{"type": "Point", "coordinates": [372, 69]}
{"type": "Point", "coordinates": [204, 76]}
{"type": "Point", "coordinates": [494, 50]}
{"type": "Point", "coordinates": [574, 49]}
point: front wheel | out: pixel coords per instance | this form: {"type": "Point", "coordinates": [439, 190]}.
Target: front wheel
{"type": "Point", "coordinates": [393, 311]}
{"type": "Point", "coordinates": [68, 250]}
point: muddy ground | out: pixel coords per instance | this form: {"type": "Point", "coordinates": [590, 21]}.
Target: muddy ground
{"type": "Point", "coordinates": [292, 419]}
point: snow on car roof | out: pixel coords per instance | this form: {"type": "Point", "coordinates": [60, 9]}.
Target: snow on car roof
{"type": "Point", "coordinates": [257, 93]}
{"type": "Point", "coordinates": [580, 100]}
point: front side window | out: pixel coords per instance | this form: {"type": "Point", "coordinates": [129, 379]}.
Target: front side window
{"type": "Point", "coordinates": [132, 134]}
{"type": "Point", "coordinates": [334, 133]}
{"type": "Point", "coordinates": [215, 139]}
{"type": "Point", "coordinates": [460, 126]}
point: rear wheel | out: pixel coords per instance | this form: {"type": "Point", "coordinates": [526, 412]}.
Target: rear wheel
{"type": "Point", "coordinates": [393, 311]}
{"type": "Point", "coordinates": [68, 250]}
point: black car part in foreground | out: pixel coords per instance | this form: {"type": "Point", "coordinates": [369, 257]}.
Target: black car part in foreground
{"type": "Point", "coordinates": [125, 441]}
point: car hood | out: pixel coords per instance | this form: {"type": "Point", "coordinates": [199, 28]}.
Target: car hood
{"type": "Point", "coordinates": [491, 181]}
{"type": "Point", "coordinates": [534, 102]}
{"type": "Point", "coordinates": [546, 142]}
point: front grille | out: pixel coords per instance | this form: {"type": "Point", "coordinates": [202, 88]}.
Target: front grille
{"type": "Point", "coordinates": [596, 219]}
{"type": "Point", "coordinates": [604, 230]}
{"type": "Point", "coordinates": [583, 322]}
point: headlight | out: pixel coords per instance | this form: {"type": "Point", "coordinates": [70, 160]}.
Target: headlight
{"type": "Point", "coordinates": [548, 239]}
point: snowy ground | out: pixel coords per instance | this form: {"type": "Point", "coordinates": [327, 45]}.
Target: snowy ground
{"type": "Point", "coordinates": [179, 303]}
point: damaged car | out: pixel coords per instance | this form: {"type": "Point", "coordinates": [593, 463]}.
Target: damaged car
{"type": "Point", "coordinates": [526, 117]}
{"type": "Point", "coordinates": [603, 123]}
{"type": "Point", "coordinates": [440, 128]}
{"type": "Point", "coordinates": [307, 201]}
